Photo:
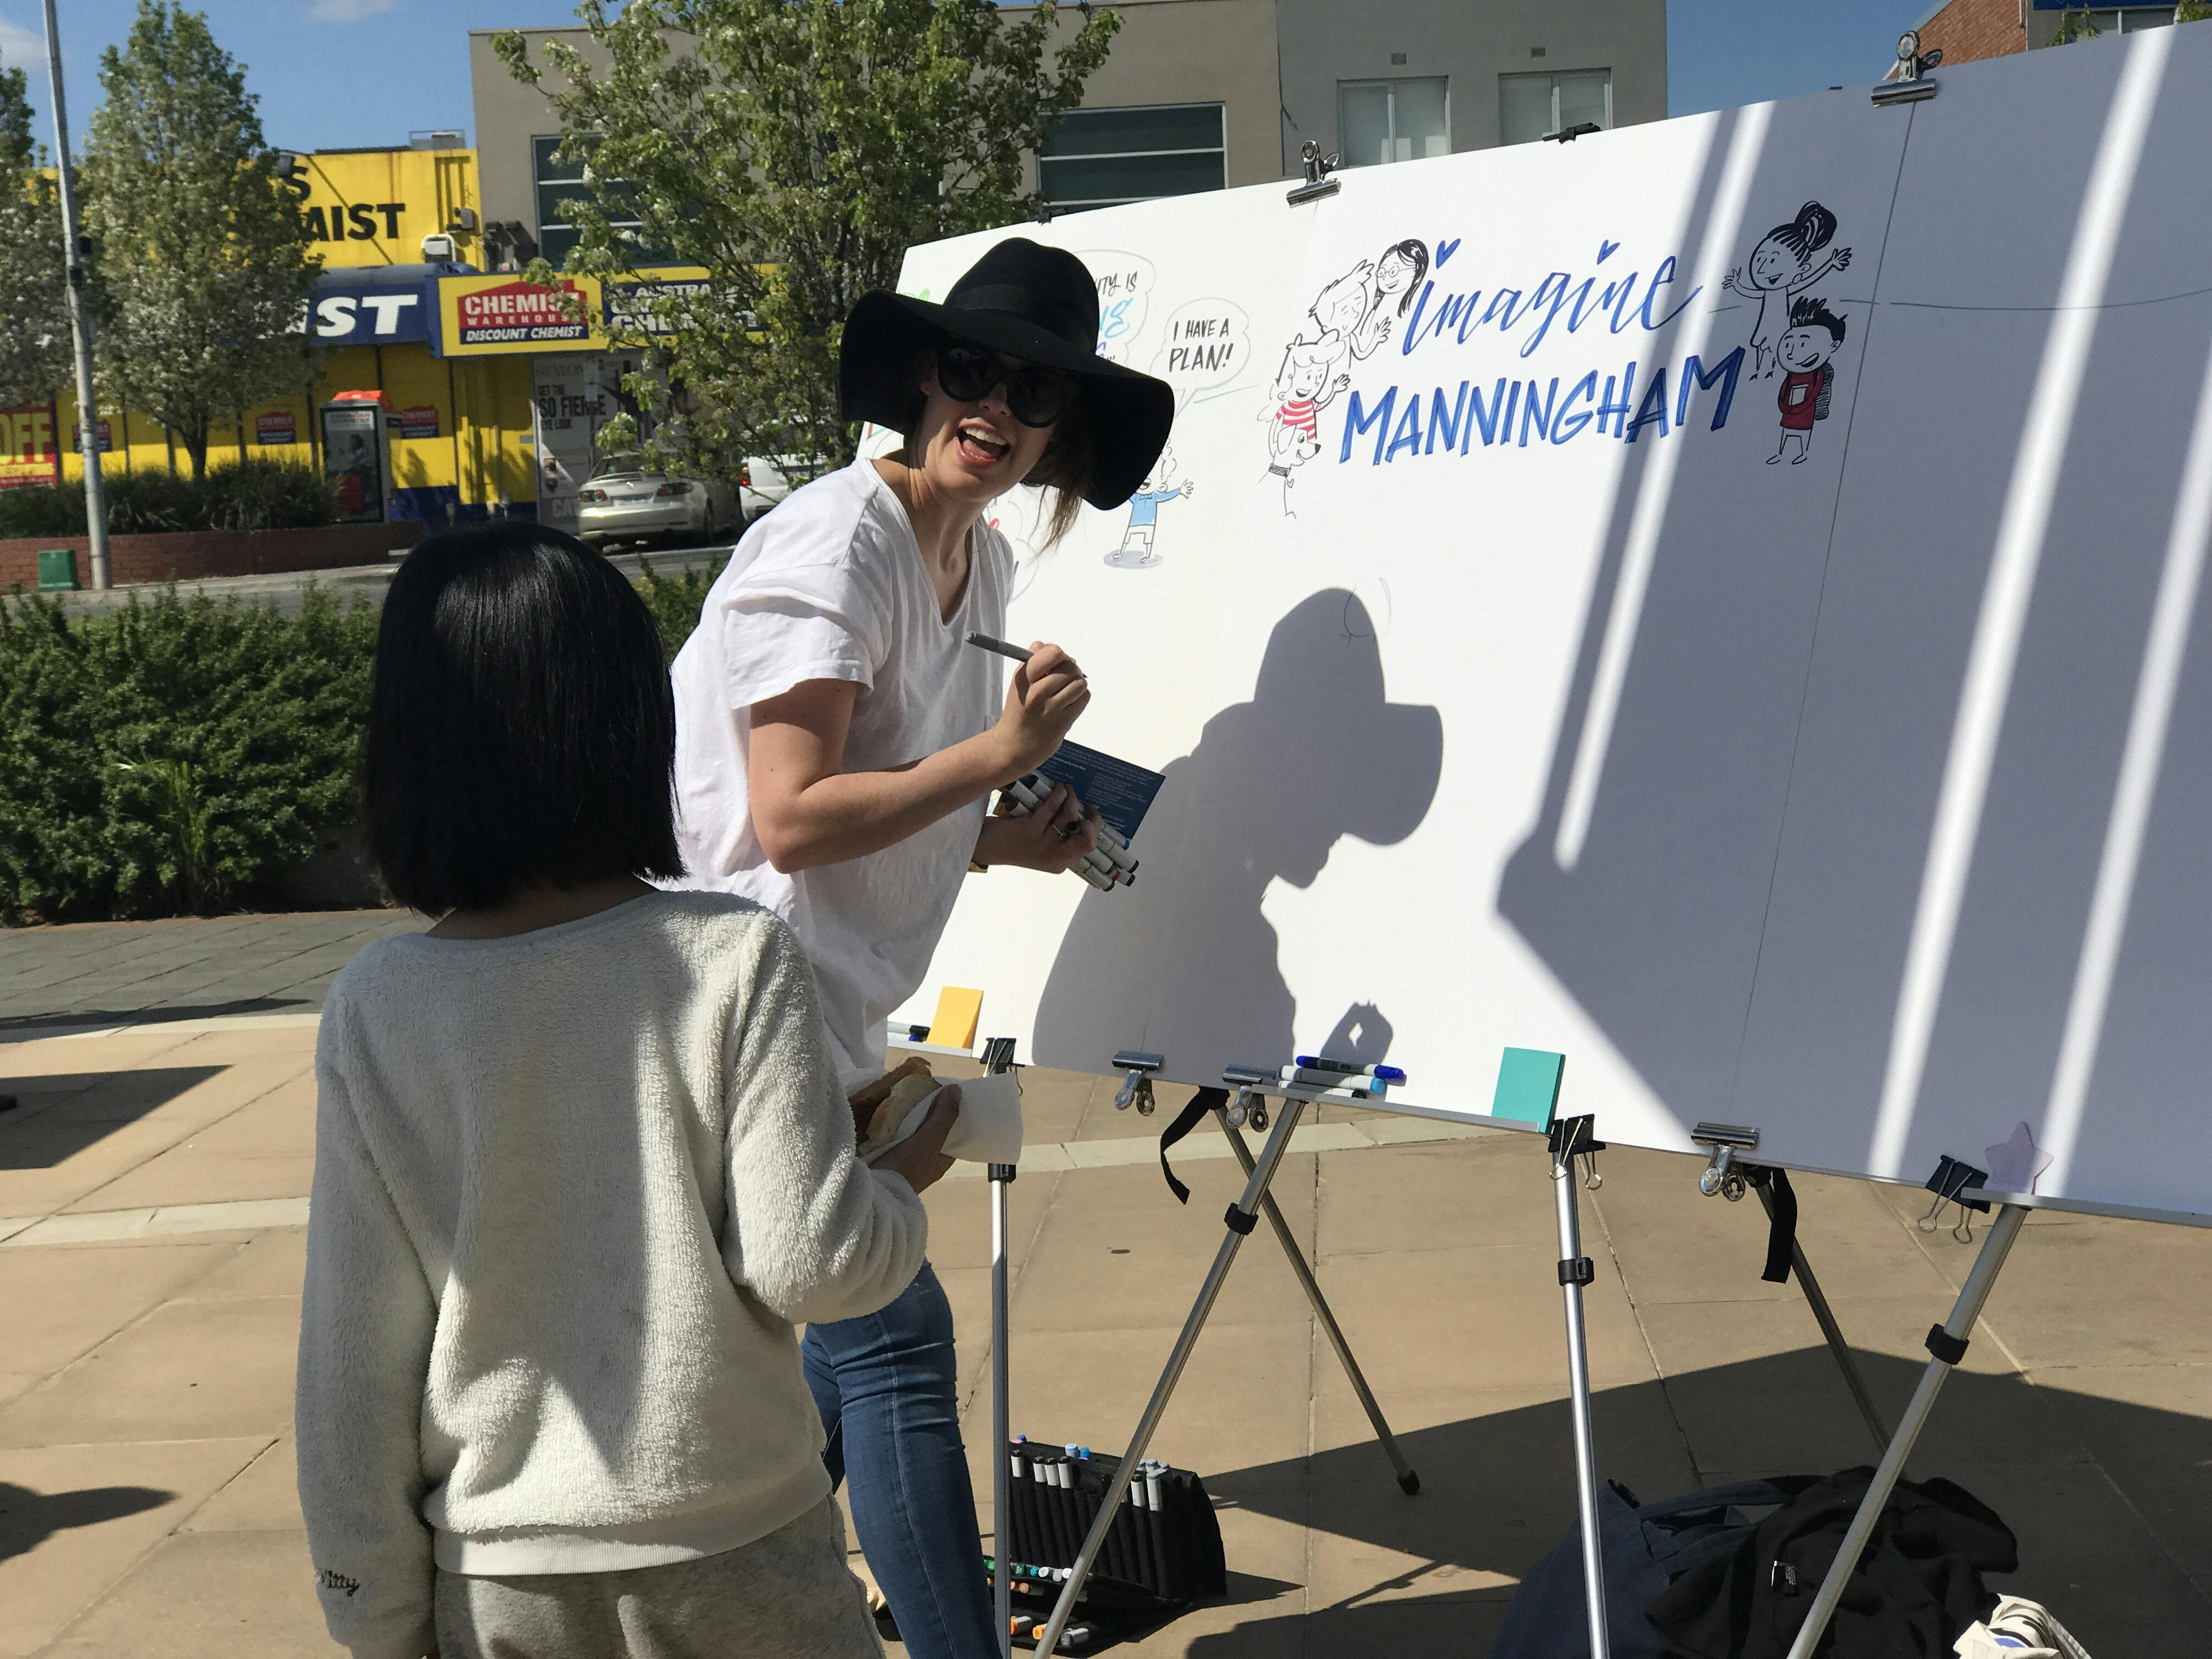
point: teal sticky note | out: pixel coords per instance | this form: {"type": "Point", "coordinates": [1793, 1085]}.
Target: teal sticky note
{"type": "Point", "coordinates": [1528, 1085]}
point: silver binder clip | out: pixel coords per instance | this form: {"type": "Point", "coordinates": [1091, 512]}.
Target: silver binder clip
{"type": "Point", "coordinates": [1721, 1176]}
{"type": "Point", "coordinates": [1318, 183]}
{"type": "Point", "coordinates": [1137, 1086]}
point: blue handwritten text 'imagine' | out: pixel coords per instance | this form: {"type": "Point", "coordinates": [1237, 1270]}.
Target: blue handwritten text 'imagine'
{"type": "Point", "coordinates": [1457, 316]}
{"type": "Point", "coordinates": [1453, 420]}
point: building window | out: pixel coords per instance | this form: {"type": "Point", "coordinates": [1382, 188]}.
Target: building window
{"type": "Point", "coordinates": [1529, 106]}
{"type": "Point", "coordinates": [1105, 157]}
{"type": "Point", "coordinates": [559, 179]}
{"type": "Point", "coordinates": [1379, 121]}
{"type": "Point", "coordinates": [2128, 20]}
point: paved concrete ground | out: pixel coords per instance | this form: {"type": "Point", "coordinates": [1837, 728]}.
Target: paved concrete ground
{"type": "Point", "coordinates": [125, 973]}
{"type": "Point", "coordinates": [152, 1184]}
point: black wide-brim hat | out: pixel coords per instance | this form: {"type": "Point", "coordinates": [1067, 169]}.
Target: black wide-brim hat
{"type": "Point", "coordinates": [1025, 300]}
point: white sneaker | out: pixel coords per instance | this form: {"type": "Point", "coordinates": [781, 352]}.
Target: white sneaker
{"type": "Point", "coordinates": [2020, 1629]}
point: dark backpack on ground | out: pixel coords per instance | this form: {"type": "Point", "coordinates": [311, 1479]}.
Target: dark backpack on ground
{"type": "Point", "coordinates": [1730, 1573]}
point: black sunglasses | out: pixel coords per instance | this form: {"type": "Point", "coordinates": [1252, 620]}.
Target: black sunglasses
{"type": "Point", "coordinates": [1037, 397]}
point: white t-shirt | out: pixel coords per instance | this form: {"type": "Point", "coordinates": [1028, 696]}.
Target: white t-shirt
{"type": "Point", "coordinates": [831, 587]}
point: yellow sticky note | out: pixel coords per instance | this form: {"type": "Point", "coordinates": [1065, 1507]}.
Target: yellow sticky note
{"type": "Point", "coordinates": [958, 1011]}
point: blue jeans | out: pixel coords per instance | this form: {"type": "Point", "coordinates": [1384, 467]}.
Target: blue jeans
{"type": "Point", "coordinates": [884, 1384]}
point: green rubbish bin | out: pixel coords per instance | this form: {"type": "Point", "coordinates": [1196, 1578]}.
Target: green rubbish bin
{"type": "Point", "coordinates": [57, 568]}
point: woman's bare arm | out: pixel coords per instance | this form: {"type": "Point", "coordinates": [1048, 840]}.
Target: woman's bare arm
{"type": "Point", "coordinates": [808, 812]}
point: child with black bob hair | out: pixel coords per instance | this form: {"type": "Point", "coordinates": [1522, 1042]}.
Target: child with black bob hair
{"type": "Point", "coordinates": [580, 1164]}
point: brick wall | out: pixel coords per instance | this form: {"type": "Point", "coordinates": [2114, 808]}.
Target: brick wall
{"type": "Point", "coordinates": [189, 555]}
{"type": "Point", "coordinates": [1969, 30]}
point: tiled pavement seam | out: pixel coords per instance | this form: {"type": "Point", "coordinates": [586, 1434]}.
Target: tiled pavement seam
{"type": "Point", "coordinates": [102, 1227]}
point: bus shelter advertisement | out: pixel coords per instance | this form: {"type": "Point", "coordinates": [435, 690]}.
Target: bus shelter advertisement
{"type": "Point", "coordinates": [30, 453]}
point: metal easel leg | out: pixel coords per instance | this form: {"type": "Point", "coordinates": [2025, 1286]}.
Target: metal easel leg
{"type": "Point", "coordinates": [1002, 1485]}
{"type": "Point", "coordinates": [1846, 1361]}
{"type": "Point", "coordinates": [1242, 1217]}
{"type": "Point", "coordinates": [1947, 1347]}
{"type": "Point", "coordinates": [1572, 1137]}
{"type": "Point", "coordinates": [1408, 1482]}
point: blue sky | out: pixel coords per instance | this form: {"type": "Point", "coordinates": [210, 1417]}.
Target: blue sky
{"type": "Point", "coordinates": [338, 72]}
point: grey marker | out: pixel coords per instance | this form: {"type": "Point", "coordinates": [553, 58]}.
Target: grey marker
{"type": "Point", "coordinates": [999, 646]}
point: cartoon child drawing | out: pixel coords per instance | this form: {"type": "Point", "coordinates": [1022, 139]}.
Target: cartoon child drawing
{"type": "Point", "coordinates": [1135, 552]}
{"type": "Point", "coordinates": [1397, 276]}
{"type": "Point", "coordinates": [1783, 266]}
{"type": "Point", "coordinates": [1305, 385]}
{"type": "Point", "coordinates": [1808, 346]}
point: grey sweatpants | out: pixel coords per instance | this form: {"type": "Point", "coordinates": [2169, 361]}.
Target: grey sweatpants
{"type": "Point", "coordinates": [788, 1595]}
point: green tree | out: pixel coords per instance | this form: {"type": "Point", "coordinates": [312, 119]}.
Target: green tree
{"type": "Point", "coordinates": [34, 346]}
{"type": "Point", "coordinates": [2193, 11]}
{"type": "Point", "coordinates": [795, 149]}
{"type": "Point", "coordinates": [206, 261]}
{"type": "Point", "coordinates": [2075, 24]}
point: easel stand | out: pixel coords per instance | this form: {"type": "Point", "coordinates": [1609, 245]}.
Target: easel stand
{"type": "Point", "coordinates": [1241, 1218]}
{"type": "Point", "coordinates": [1728, 1177]}
{"type": "Point", "coordinates": [1947, 1347]}
{"type": "Point", "coordinates": [1572, 1138]}
{"type": "Point", "coordinates": [998, 1056]}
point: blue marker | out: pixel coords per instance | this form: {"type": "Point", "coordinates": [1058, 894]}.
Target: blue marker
{"type": "Point", "coordinates": [1318, 1063]}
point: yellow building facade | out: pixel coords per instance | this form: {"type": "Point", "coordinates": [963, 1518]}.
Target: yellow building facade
{"type": "Point", "coordinates": [467, 422]}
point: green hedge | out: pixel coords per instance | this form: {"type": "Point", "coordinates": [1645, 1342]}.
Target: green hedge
{"type": "Point", "coordinates": [162, 759]}
{"type": "Point", "coordinates": [249, 495]}
{"type": "Point", "coordinates": [167, 758]}
{"type": "Point", "coordinates": [675, 600]}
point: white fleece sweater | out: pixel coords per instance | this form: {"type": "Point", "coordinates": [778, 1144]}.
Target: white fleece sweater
{"type": "Point", "coordinates": [572, 1190]}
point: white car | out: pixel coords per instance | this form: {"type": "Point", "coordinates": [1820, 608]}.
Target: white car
{"type": "Point", "coordinates": [764, 481]}
{"type": "Point", "coordinates": [625, 503]}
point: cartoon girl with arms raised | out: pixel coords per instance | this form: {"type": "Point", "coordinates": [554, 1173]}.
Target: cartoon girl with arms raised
{"type": "Point", "coordinates": [1786, 262]}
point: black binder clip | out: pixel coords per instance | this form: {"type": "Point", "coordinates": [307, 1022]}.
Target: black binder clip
{"type": "Point", "coordinates": [1951, 1179]}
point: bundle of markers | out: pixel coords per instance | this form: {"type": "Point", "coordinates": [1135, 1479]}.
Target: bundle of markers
{"type": "Point", "coordinates": [1107, 866]}
{"type": "Point", "coordinates": [1164, 1544]}
{"type": "Point", "coordinates": [1339, 1080]}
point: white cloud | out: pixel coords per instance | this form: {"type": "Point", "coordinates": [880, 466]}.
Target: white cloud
{"type": "Point", "coordinates": [22, 48]}
{"type": "Point", "coordinates": [349, 11]}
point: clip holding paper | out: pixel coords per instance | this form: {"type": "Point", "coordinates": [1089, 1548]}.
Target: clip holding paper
{"type": "Point", "coordinates": [1727, 1140]}
{"type": "Point", "coordinates": [1318, 183]}
{"type": "Point", "coordinates": [1949, 1183]}
{"type": "Point", "coordinates": [1249, 1103]}
{"type": "Point", "coordinates": [1137, 1086]}
{"type": "Point", "coordinates": [1906, 81]}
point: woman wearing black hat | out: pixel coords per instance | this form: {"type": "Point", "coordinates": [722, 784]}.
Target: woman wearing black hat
{"type": "Point", "coordinates": [836, 743]}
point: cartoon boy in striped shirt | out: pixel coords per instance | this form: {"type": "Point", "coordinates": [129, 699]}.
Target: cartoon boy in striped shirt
{"type": "Point", "coordinates": [1303, 387]}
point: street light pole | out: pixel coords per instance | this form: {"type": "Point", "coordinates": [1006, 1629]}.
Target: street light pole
{"type": "Point", "coordinates": [87, 412]}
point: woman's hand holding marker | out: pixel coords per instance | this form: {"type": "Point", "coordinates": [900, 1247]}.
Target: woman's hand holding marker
{"type": "Point", "coordinates": [1043, 699]}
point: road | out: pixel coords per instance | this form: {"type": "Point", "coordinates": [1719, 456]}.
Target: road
{"type": "Point", "coordinates": [284, 589]}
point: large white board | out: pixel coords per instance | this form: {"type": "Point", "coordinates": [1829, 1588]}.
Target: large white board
{"type": "Point", "coordinates": [1818, 743]}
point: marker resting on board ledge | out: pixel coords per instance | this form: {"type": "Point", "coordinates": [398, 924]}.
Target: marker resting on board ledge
{"type": "Point", "coordinates": [1320, 1063]}
{"type": "Point", "coordinates": [1018, 653]}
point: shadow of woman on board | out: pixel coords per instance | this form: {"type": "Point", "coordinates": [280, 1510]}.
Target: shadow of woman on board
{"type": "Point", "coordinates": [1187, 956]}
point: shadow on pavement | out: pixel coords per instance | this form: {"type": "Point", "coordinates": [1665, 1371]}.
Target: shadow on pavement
{"type": "Point", "coordinates": [93, 1019]}
{"type": "Point", "coordinates": [2100, 1493]}
{"type": "Point", "coordinates": [35, 1138]}
{"type": "Point", "coordinates": [28, 1518]}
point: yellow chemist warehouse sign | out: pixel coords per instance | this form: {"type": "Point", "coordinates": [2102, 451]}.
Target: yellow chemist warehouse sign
{"type": "Point", "coordinates": [373, 207]}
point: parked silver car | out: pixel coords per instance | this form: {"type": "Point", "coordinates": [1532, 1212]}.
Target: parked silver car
{"type": "Point", "coordinates": [622, 502]}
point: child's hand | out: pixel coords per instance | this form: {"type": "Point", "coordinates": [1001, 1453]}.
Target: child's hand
{"type": "Point", "coordinates": [921, 1157]}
